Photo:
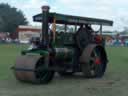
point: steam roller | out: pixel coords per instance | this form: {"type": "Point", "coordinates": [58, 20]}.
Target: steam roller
{"type": "Point", "coordinates": [81, 50]}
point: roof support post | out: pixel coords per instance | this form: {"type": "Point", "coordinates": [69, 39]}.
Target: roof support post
{"type": "Point", "coordinates": [65, 28]}
{"type": "Point", "coordinates": [101, 29]}
{"type": "Point", "coordinates": [75, 27]}
{"type": "Point", "coordinates": [54, 30]}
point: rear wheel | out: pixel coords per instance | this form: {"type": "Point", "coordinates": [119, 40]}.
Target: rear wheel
{"type": "Point", "coordinates": [94, 61]}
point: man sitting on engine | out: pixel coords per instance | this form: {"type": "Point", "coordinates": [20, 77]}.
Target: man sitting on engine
{"type": "Point", "coordinates": [35, 42]}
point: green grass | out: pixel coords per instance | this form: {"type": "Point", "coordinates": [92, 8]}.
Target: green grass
{"type": "Point", "coordinates": [118, 60]}
{"type": "Point", "coordinates": [115, 81]}
{"type": "Point", "coordinates": [8, 55]}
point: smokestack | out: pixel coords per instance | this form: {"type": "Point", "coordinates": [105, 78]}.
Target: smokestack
{"type": "Point", "coordinates": [45, 13]}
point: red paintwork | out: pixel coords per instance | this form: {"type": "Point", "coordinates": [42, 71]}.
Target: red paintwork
{"type": "Point", "coordinates": [97, 61]}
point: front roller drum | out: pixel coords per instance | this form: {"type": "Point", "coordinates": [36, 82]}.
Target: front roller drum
{"type": "Point", "coordinates": [93, 61]}
{"type": "Point", "coordinates": [32, 68]}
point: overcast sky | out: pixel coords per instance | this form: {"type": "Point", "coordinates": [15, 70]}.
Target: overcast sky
{"type": "Point", "coordinates": [116, 10]}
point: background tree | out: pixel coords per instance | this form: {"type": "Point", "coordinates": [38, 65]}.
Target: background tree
{"type": "Point", "coordinates": [10, 18]}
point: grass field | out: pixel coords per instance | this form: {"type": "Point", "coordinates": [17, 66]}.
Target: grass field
{"type": "Point", "coordinates": [115, 81]}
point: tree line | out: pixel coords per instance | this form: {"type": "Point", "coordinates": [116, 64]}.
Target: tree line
{"type": "Point", "coordinates": [11, 18]}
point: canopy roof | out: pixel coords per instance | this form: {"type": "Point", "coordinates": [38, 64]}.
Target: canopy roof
{"type": "Point", "coordinates": [73, 20]}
